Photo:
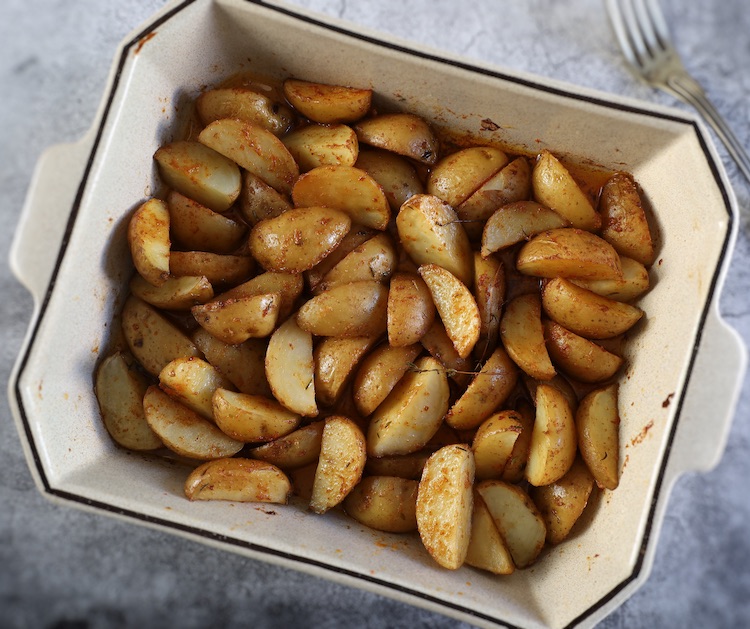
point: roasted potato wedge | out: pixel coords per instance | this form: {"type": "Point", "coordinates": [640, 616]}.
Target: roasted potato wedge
{"type": "Point", "coordinates": [183, 430]}
{"type": "Point", "coordinates": [288, 286]}
{"type": "Point", "coordinates": [513, 472]}
{"type": "Point", "coordinates": [251, 418]}
{"type": "Point", "coordinates": [177, 293]}
{"type": "Point", "coordinates": [394, 173]}
{"type": "Point", "coordinates": [219, 269]}
{"type": "Point", "coordinates": [295, 450]}
{"type": "Point", "coordinates": [195, 227]}
{"type": "Point", "coordinates": [586, 313]}
{"type": "Point", "coordinates": [516, 222]}
{"type": "Point", "coordinates": [457, 176]}
{"type": "Point", "coordinates": [233, 321]}
{"type": "Point", "coordinates": [375, 259]}
{"type": "Point", "coordinates": [553, 440]}
{"type": "Point", "coordinates": [328, 104]}
{"type": "Point", "coordinates": [342, 461]}
{"type": "Point", "coordinates": [290, 368]}
{"type": "Point", "coordinates": [523, 336]}
{"type": "Point", "coordinates": [148, 237]}
{"type": "Point", "coordinates": [578, 357]}
{"type": "Point", "coordinates": [401, 133]}
{"type": "Point", "coordinates": [431, 234]}
{"type": "Point", "coordinates": [489, 292]}
{"type": "Point", "coordinates": [494, 442]}
{"type": "Point", "coordinates": [487, 550]}
{"type": "Point", "coordinates": [244, 104]}
{"type": "Point", "coordinates": [298, 239]}
{"type": "Point", "coordinates": [238, 480]}
{"type": "Point", "coordinates": [598, 426]}
{"type": "Point", "coordinates": [624, 222]}
{"type": "Point", "coordinates": [200, 173]}
{"type": "Point", "coordinates": [439, 345]}
{"type": "Point", "coordinates": [259, 201]}
{"type": "Point", "coordinates": [192, 382]}
{"type": "Point", "coordinates": [410, 309]}
{"type": "Point", "coordinates": [322, 145]}
{"type": "Point", "coordinates": [445, 502]}
{"type": "Point", "coordinates": [336, 360]}
{"type": "Point", "coordinates": [555, 187]}
{"type": "Point", "coordinates": [119, 388]}
{"type": "Point", "coordinates": [253, 148]}
{"type": "Point", "coordinates": [384, 503]}
{"type": "Point", "coordinates": [347, 189]}
{"type": "Point", "coordinates": [634, 282]}
{"type": "Point", "coordinates": [401, 465]}
{"type": "Point", "coordinates": [413, 411]}
{"type": "Point", "coordinates": [356, 236]}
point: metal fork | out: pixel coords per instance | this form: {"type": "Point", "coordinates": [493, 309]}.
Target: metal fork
{"type": "Point", "coordinates": [644, 38]}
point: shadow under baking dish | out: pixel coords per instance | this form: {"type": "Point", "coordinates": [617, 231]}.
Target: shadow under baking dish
{"type": "Point", "coordinates": [196, 43]}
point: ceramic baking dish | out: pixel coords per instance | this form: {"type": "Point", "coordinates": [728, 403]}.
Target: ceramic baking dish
{"type": "Point", "coordinates": [69, 250]}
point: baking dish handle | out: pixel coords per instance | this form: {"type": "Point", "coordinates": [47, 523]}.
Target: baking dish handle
{"type": "Point", "coordinates": [45, 214]}
{"type": "Point", "coordinates": [711, 398]}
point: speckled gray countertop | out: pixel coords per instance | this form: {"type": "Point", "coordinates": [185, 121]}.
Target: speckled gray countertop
{"type": "Point", "coordinates": [65, 568]}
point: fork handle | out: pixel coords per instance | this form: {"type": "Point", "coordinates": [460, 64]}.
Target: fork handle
{"type": "Point", "coordinates": [689, 90]}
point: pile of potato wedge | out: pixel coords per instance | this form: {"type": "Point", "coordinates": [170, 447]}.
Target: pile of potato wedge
{"type": "Point", "coordinates": [338, 303]}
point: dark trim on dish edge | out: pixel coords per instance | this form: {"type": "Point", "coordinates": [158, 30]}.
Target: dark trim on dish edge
{"type": "Point", "coordinates": [230, 541]}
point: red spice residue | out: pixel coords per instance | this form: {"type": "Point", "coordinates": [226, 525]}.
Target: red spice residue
{"type": "Point", "coordinates": [489, 125]}
{"type": "Point", "coordinates": [143, 41]}
{"type": "Point", "coordinates": [668, 400]}
{"type": "Point", "coordinates": [639, 438]}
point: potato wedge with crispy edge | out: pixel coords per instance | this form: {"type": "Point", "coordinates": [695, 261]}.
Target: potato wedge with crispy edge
{"type": "Point", "coordinates": [487, 391]}
{"type": "Point", "coordinates": [437, 343]}
{"type": "Point", "coordinates": [634, 282]}
{"type": "Point", "coordinates": [288, 286]}
{"type": "Point", "coordinates": [244, 104]}
{"type": "Point", "coordinates": [183, 430]}
{"type": "Point", "coordinates": [401, 465]}
{"type": "Point", "coordinates": [559, 382]}
{"type": "Point", "coordinates": [516, 222]}
{"type": "Point", "coordinates": [259, 201]}
{"type": "Point", "coordinates": [458, 175]}
{"type": "Point", "coordinates": [195, 227]}
{"type": "Point", "coordinates": [336, 360]}
{"type": "Point", "coordinates": [410, 309]}
{"type": "Point", "coordinates": [375, 259]}
{"type": "Point", "coordinates": [356, 236]}
{"type": "Point", "coordinates": [238, 480]}
{"type": "Point", "coordinates": [322, 145]}
{"type": "Point", "coordinates": [456, 305]}
{"type": "Point", "coordinates": [252, 418]}
{"type": "Point", "coordinates": [152, 339]}
{"type": "Point", "coordinates": [347, 189]}
{"type": "Point", "coordinates": [219, 269]}
{"type": "Point", "coordinates": [341, 463]}
{"type": "Point", "coordinates": [148, 238]}
{"type": "Point", "coordinates": [561, 503]}
{"type": "Point", "coordinates": [254, 149]}
{"type": "Point", "coordinates": [192, 382]}
{"type": "Point", "coordinates": [578, 357]}
{"type": "Point", "coordinates": [445, 502]}
{"type": "Point", "coordinates": [624, 222]}
{"type": "Point", "coordinates": [298, 239]}
{"type": "Point", "coordinates": [513, 472]}
{"type": "Point", "coordinates": [586, 313]}
{"type": "Point", "coordinates": [379, 372]}
{"type": "Point", "coordinates": [177, 293]}
{"type": "Point", "coordinates": [489, 292]}
{"type": "Point", "coordinates": [522, 334]}
{"type": "Point", "coordinates": [571, 253]}
{"type": "Point", "coordinates": [494, 442]}
{"type": "Point", "coordinates": [290, 368]}
{"type": "Point", "coordinates": [327, 104]}
{"type": "Point", "coordinates": [510, 184]}
{"type": "Point", "coordinates": [200, 173]}
{"type": "Point", "coordinates": [384, 503]}
{"type": "Point", "coordinates": [553, 440]}
{"type": "Point", "coordinates": [394, 173]}
{"type": "Point", "coordinates": [555, 187]}
{"type": "Point", "coordinates": [356, 309]}
{"type": "Point", "coordinates": [487, 550]}
{"type": "Point", "coordinates": [401, 133]}
{"type": "Point", "coordinates": [517, 518]}
{"type": "Point", "coordinates": [243, 365]}
{"type": "Point", "coordinates": [119, 388]}
{"type": "Point", "coordinates": [598, 425]}
{"type": "Point", "coordinates": [431, 234]}
{"type": "Point", "coordinates": [413, 411]}
{"type": "Point", "coordinates": [295, 450]}
{"type": "Point", "coordinates": [234, 321]}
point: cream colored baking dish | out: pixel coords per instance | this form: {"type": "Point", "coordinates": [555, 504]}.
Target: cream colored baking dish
{"type": "Point", "coordinates": [70, 252]}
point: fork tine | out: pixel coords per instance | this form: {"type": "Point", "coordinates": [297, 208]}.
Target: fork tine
{"type": "Point", "coordinates": [644, 10]}
{"type": "Point", "coordinates": [661, 30]}
{"type": "Point", "coordinates": [622, 32]}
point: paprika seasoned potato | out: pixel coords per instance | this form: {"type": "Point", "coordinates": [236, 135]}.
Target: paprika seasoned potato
{"type": "Point", "coordinates": [327, 104]}
{"type": "Point", "coordinates": [410, 309]}
{"type": "Point", "coordinates": [148, 237]}
{"type": "Point", "coordinates": [456, 177]}
{"type": "Point", "coordinates": [384, 503]}
{"type": "Point", "coordinates": [244, 104]}
{"type": "Point", "coordinates": [401, 133]}
{"type": "Point", "coordinates": [238, 480]}
{"type": "Point", "coordinates": [624, 222]}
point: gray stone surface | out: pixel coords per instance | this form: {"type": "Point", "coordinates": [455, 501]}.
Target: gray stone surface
{"type": "Point", "coordinates": [66, 568]}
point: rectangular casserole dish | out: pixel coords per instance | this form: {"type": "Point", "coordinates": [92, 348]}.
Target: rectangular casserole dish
{"type": "Point", "coordinates": [70, 251]}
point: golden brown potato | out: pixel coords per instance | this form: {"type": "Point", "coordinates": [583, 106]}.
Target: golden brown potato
{"type": "Point", "coordinates": [624, 222]}
{"type": "Point", "coordinates": [219, 269]}
{"type": "Point", "coordinates": [259, 201]}
{"type": "Point", "coordinates": [445, 503]}
{"type": "Point", "coordinates": [401, 133]}
{"type": "Point", "coordinates": [494, 442]}
{"type": "Point", "coordinates": [298, 239]}
{"type": "Point", "coordinates": [410, 310]}
{"type": "Point", "coordinates": [598, 425]}
{"type": "Point", "coordinates": [523, 336]}
{"type": "Point", "coordinates": [379, 372]}
{"type": "Point", "coordinates": [487, 550]}
{"type": "Point", "coordinates": [489, 292]}
{"type": "Point", "coordinates": [515, 466]}
{"type": "Point", "coordinates": [234, 321]}
{"type": "Point", "coordinates": [148, 237]}
{"type": "Point", "coordinates": [322, 145]}
{"type": "Point", "coordinates": [192, 382]}
{"type": "Point", "coordinates": [393, 172]}
{"type": "Point", "coordinates": [556, 188]}
{"type": "Point", "coordinates": [327, 104]}
{"type": "Point", "coordinates": [346, 189]}
{"type": "Point", "coordinates": [244, 104]}
{"type": "Point", "coordinates": [384, 503]}
{"type": "Point", "coordinates": [516, 222]}
{"type": "Point", "coordinates": [634, 282]}
{"type": "Point", "coordinates": [295, 450]}
{"type": "Point", "coordinates": [251, 418]}
{"type": "Point", "coordinates": [439, 345]}
{"type": "Point", "coordinates": [375, 259]}
{"type": "Point", "coordinates": [238, 480]}
{"type": "Point", "coordinates": [569, 252]}
{"type": "Point", "coordinates": [401, 465]}
{"type": "Point", "coordinates": [336, 360]}
{"type": "Point", "coordinates": [288, 286]}
{"type": "Point", "coordinates": [586, 313]}
{"type": "Point", "coordinates": [457, 176]}
{"type": "Point", "coordinates": [578, 357]}
{"type": "Point", "coordinates": [177, 293]}
{"type": "Point", "coordinates": [356, 236]}
{"type": "Point", "coordinates": [195, 227]}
